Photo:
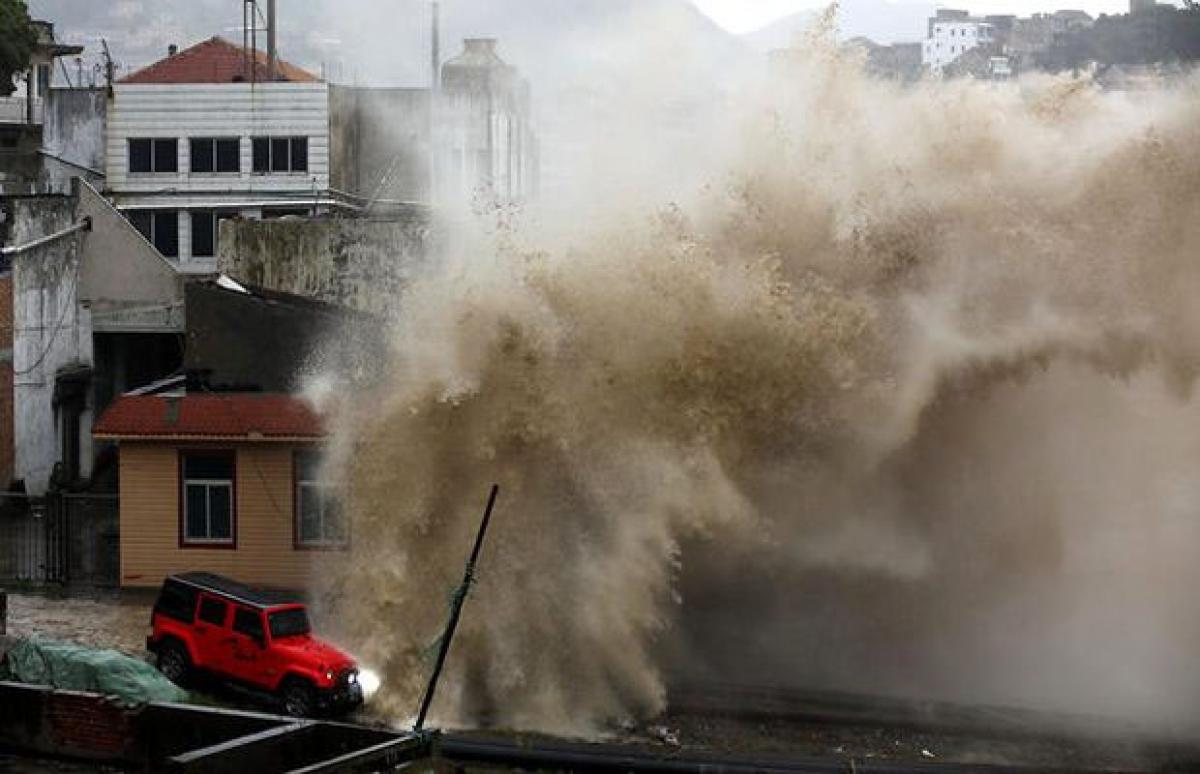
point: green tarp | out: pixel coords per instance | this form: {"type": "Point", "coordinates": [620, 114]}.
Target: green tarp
{"type": "Point", "coordinates": [76, 668]}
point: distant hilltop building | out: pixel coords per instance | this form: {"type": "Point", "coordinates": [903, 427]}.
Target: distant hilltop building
{"type": "Point", "coordinates": [485, 129]}
{"type": "Point", "coordinates": [994, 46]}
{"type": "Point", "coordinates": [951, 34]}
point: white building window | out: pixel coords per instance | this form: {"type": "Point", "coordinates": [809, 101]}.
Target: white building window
{"type": "Point", "coordinates": [150, 155]}
{"type": "Point", "coordinates": [206, 225]}
{"type": "Point", "coordinates": [215, 154]}
{"type": "Point", "coordinates": [280, 154]}
{"type": "Point", "coordinates": [160, 227]}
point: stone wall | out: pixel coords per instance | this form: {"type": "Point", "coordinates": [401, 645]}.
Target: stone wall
{"type": "Point", "coordinates": [361, 264]}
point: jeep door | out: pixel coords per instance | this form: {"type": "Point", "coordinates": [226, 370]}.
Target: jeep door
{"type": "Point", "coordinates": [246, 654]}
{"type": "Point", "coordinates": [211, 629]}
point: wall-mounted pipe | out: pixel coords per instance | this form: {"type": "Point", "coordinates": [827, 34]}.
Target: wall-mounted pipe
{"type": "Point", "coordinates": [83, 225]}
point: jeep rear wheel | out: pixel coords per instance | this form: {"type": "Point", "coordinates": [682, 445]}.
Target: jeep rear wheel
{"type": "Point", "coordinates": [174, 663]}
{"type": "Point", "coordinates": [298, 698]}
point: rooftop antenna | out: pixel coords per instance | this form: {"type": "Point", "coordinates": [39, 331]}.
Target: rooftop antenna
{"type": "Point", "coordinates": [271, 64]}
{"type": "Point", "coordinates": [246, 22]}
{"type": "Point", "coordinates": [110, 69]}
{"type": "Point", "coordinates": [435, 76]}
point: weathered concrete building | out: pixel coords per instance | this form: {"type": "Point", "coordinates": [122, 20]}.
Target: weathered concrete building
{"type": "Point", "coordinates": [380, 150]}
{"type": "Point", "coordinates": [951, 34]}
{"type": "Point", "coordinates": [23, 115]}
{"type": "Point", "coordinates": [487, 146]}
{"type": "Point", "coordinates": [97, 310]}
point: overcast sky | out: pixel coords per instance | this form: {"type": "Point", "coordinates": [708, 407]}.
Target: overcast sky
{"type": "Point", "coordinates": [745, 15]}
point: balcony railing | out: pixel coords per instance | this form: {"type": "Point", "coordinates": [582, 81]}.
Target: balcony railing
{"type": "Point", "coordinates": [15, 110]}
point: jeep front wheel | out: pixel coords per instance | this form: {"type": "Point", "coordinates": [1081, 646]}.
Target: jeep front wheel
{"type": "Point", "coordinates": [174, 663]}
{"type": "Point", "coordinates": [298, 698]}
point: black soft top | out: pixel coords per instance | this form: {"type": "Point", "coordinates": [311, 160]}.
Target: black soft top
{"type": "Point", "coordinates": [227, 587]}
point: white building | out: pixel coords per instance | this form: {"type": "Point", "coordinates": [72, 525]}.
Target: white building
{"type": "Point", "coordinates": [952, 34]}
{"type": "Point", "coordinates": [485, 138]}
{"type": "Point", "coordinates": [32, 85]}
{"type": "Point", "coordinates": [200, 135]}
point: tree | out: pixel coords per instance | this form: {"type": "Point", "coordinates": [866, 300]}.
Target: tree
{"type": "Point", "coordinates": [17, 41]}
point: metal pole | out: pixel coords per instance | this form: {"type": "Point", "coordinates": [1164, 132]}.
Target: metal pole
{"type": "Point", "coordinates": [253, 41]}
{"type": "Point", "coordinates": [435, 49]}
{"type": "Point", "coordinates": [460, 596]}
{"type": "Point", "coordinates": [271, 40]}
{"type": "Point", "coordinates": [83, 225]}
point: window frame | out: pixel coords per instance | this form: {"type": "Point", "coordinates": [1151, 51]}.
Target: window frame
{"type": "Point", "coordinates": [257, 615]}
{"type": "Point", "coordinates": [269, 143]}
{"type": "Point", "coordinates": [298, 542]}
{"type": "Point", "coordinates": [213, 598]}
{"type": "Point", "coordinates": [152, 237]}
{"type": "Point", "coordinates": [153, 156]}
{"type": "Point", "coordinates": [225, 544]}
{"type": "Point", "coordinates": [214, 155]}
{"type": "Point", "coordinates": [217, 216]}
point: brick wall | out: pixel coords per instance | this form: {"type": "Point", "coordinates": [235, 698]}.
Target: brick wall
{"type": "Point", "coordinates": [87, 725]}
{"type": "Point", "coordinates": [37, 720]}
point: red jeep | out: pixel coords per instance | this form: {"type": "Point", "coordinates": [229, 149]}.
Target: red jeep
{"type": "Point", "coordinates": [260, 640]}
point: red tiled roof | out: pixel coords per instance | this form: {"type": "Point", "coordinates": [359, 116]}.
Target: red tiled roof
{"type": "Point", "coordinates": [210, 415]}
{"type": "Point", "coordinates": [215, 60]}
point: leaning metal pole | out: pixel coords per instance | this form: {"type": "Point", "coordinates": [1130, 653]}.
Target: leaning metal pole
{"type": "Point", "coordinates": [456, 605]}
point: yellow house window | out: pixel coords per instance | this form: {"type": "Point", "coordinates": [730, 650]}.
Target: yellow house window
{"type": "Point", "coordinates": [208, 517]}
{"type": "Point", "coordinates": [320, 523]}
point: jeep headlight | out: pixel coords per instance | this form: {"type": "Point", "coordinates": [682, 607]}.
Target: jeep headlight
{"type": "Point", "coordinates": [369, 680]}
{"type": "Point", "coordinates": [328, 674]}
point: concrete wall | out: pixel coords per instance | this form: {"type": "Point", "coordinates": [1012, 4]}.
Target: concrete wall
{"type": "Point", "coordinates": [265, 552]}
{"type": "Point", "coordinates": [122, 269]}
{"type": "Point", "coordinates": [362, 264]}
{"type": "Point", "coordinates": [109, 279]}
{"type": "Point", "coordinates": [7, 447]}
{"type": "Point", "coordinates": [51, 334]}
{"type": "Point", "coordinates": [73, 135]}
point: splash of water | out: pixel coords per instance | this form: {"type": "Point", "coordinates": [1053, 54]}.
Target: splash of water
{"type": "Point", "coordinates": [895, 340]}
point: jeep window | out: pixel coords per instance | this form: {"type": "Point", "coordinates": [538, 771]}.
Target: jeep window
{"type": "Point", "coordinates": [212, 611]}
{"type": "Point", "coordinates": [207, 483]}
{"type": "Point", "coordinates": [176, 601]}
{"type": "Point", "coordinates": [289, 623]}
{"type": "Point", "coordinates": [248, 622]}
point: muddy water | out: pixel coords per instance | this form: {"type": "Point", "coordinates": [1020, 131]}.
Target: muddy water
{"type": "Point", "coordinates": [111, 620]}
